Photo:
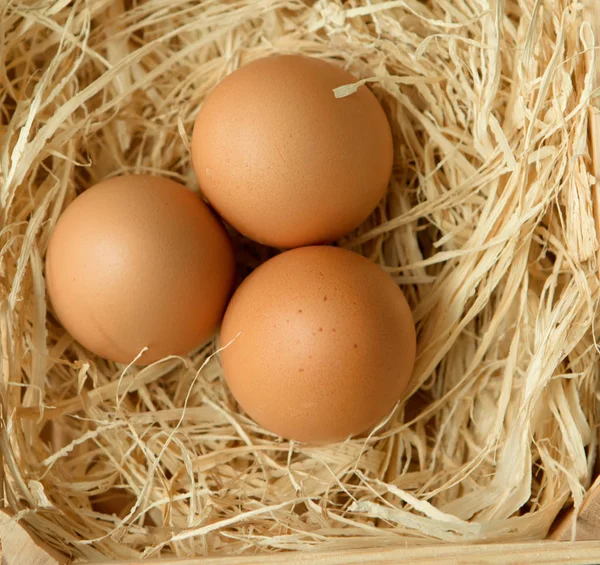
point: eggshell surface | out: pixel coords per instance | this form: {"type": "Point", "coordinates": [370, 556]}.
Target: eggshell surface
{"type": "Point", "coordinates": [283, 160]}
{"type": "Point", "coordinates": [319, 344]}
{"type": "Point", "coordinates": [139, 261]}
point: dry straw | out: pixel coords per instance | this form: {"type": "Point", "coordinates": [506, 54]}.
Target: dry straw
{"type": "Point", "coordinates": [488, 226]}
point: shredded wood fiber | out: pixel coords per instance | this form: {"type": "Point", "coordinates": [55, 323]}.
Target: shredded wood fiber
{"type": "Point", "coordinates": [488, 227]}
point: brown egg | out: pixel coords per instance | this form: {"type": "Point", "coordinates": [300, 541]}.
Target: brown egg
{"type": "Point", "coordinates": [139, 261]}
{"type": "Point", "coordinates": [319, 344]}
{"type": "Point", "coordinates": [283, 160]}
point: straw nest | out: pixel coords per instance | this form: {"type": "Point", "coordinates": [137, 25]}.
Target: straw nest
{"type": "Point", "coordinates": [488, 226]}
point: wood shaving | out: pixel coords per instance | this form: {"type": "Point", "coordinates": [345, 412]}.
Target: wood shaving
{"type": "Point", "coordinates": [488, 227]}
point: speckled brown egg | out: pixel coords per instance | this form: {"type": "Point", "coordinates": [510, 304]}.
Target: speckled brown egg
{"type": "Point", "coordinates": [283, 160]}
{"type": "Point", "coordinates": [139, 261]}
{"type": "Point", "coordinates": [319, 344]}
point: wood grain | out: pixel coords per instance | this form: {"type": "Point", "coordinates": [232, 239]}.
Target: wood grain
{"type": "Point", "coordinates": [19, 547]}
{"type": "Point", "coordinates": [534, 553]}
{"type": "Point", "coordinates": [587, 519]}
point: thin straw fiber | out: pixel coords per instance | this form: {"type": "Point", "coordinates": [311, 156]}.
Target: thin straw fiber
{"type": "Point", "coordinates": [487, 226]}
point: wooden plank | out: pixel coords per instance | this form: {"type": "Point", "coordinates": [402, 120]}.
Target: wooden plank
{"type": "Point", "coordinates": [587, 525]}
{"type": "Point", "coordinates": [19, 547]}
{"type": "Point", "coordinates": [533, 553]}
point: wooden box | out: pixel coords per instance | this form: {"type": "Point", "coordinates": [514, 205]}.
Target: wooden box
{"type": "Point", "coordinates": [489, 225]}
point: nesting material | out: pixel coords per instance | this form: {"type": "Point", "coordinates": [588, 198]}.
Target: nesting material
{"type": "Point", "coordinates": [488, 227]}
